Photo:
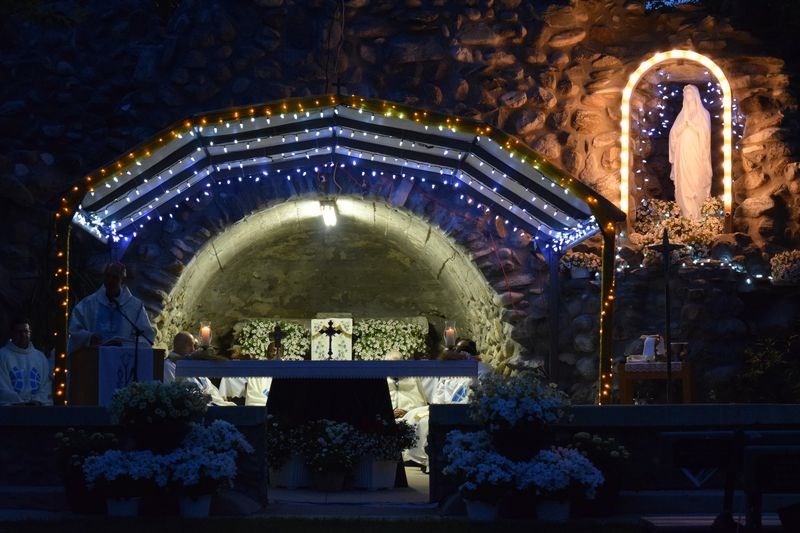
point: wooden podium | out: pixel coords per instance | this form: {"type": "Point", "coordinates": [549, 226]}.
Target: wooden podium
{"type": "Point", "coordinates": [84, 370]}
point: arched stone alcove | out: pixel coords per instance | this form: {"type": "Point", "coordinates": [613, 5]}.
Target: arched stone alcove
{"type": "Point", "coordinates": [646, 119]}
{"type": "Point", "coordinates": [378, 261]}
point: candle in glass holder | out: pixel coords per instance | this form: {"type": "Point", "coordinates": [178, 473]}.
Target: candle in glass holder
{"type": "Point", "coordinates": [205, 333]}
{"type": "Point", "coordinates": [449, 333]}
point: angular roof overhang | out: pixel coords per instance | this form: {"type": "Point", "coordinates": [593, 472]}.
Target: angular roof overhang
{"type": "Point", "coordinates": [497, 173]}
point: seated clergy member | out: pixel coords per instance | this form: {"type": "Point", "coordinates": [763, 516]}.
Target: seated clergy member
{"type": "Point", "coordinates": [456, 389]}
{"type": "Point", "coordinates": [102, 317]}
{"type": "Point", "coordinates": [24, 370]}
{"type": "Point", "coordinates": [184, 346]}
{"type": "Point", "coordinates": [257, 388]}
{"type": "Point", "coordinates": [406, 394]}
{"type": "Point", "coordinates": [254, 389]}
{"type": "Point", "coordinates": [410, 404]}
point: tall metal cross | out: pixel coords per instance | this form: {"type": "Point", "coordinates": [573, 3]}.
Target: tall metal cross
{"type": "Point", "coordinates": [666, 248]}
{"type": "Point", "coordinates": [330, 331]}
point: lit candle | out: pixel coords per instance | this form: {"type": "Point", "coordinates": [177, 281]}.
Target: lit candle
{"type": "Point", "coordinates": [205, 333]}
{"type": "Point", "coordinates": [449, 334]}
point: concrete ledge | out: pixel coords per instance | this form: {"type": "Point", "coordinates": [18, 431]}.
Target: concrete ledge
{"type": "Point", "coordinates": [694, 416]}
{"type": "Point", "coordinates": [92, 416]}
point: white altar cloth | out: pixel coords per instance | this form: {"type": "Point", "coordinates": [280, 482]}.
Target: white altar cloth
{"type": "Point", "coordinates": [325, 369]}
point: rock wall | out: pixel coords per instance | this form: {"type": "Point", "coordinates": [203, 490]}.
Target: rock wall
{"type": "Point", "coordinates": [86, 82]}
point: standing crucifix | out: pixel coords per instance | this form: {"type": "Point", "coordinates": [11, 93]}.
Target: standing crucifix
{"type": "Point", "coordinates": [330, 331]}
{"type": "Point", "coordinates": [666, 248]}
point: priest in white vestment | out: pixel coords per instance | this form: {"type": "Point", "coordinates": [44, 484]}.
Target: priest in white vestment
{"type": "Point", "coordinates": [100, 318]}
{"type": "Point", "coordinates": [410, 404]}
{"type": "Point", "coordinates": [444, 390]}
{"type": "Point", "coordinates": [24, 371]}
{"type": "Point", "coordinates": [254, 389]}
{"type": "Point", "coordinates": [183, 347]}
{"type": "Point", "coordinates": [690, 154]}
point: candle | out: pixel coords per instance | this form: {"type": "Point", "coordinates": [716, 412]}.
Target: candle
{"type": "Point", "coordinates": [205, 333]}
{"type": "Point", "coordinates": [449, 334]}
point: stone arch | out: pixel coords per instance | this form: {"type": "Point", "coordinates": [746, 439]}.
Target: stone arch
{"type": "Point", "coordinates": [474, 303]}
{"type": "Point", "coordinates": [625, 122]}
{"type": "Point", "coordinates": [490, 192]}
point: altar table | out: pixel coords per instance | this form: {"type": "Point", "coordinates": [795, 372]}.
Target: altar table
{"type": "Point", "coordinates": [650, 371]}
{"type": "Point", "coordinates": [346, 391]}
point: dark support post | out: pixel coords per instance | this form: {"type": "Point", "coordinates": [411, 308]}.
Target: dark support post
{"type": "Point", "coordinates": [553, 298]}
{"type": "Point", "coordinates": [606, 314]}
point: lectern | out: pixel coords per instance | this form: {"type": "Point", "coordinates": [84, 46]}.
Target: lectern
{"type": "Point", "coordinates": [84, 374]}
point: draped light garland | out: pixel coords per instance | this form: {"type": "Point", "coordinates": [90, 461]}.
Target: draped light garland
{"type": "Point", "coordinates": [489, 171]}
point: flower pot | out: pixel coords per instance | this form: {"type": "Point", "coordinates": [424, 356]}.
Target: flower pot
{"type": "Point", "coordinates": [328, 481]}
{"type": "Point", "coordinates": [552, 510]}
{"type": "Point", "coordinates": [198, 507]}
{"type": "Point", "coordinates": [479, 511]}
{"type": "Point", "coordinates": [373, 474]}
{"type": "Point", "coordinates": [292, 475]}
{"type": "Point", "coordinates": [579, 273]}
{"type": "Point", "coordinates": [122, 507]}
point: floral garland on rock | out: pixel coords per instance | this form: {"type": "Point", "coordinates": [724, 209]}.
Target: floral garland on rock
{"type": "Point", "coordinates": [374, 338]}
{"type": "Point", "coordinates": [252, 339]}
{"type": "Point", "coordinates": [654, 216]}
{"type": "Point", "coordinates": [587, 260]}
{"type": "Point", "coordinates": [785, 267]}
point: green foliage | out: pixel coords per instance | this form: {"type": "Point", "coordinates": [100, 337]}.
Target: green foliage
{"type": "Point", "coordinates": [73, 446]}
{"type": "Point", "coordinates": [770, 373]}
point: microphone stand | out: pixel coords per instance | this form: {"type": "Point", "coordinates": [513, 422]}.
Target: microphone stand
{"type": "Point", "coordinates": [138, 333]}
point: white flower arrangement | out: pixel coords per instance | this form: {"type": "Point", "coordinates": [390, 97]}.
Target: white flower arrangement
{"type": "Point", "coordinates": [486, 475]}
{"type": "Point", "coordinates": [785, 267]}
{"type": "Point", "coordinates": [218, 437]}
{"type": "Point", "coordinates": [154, 402]}
{"type": "Point", "coordinates": [374, 338]}
{"type": "Point", "coordinates": [252, 339]}
{"type": "Point", "coordinates": [197, 471]}
{"type": "Point", "coordinates": [503, 402]}
{"type": "Point", "coordinates": [587, 260]}
{"type": "Point", "coordinates": [124, 474]}
{"type": "Point", "coordinates": [559, 473]}
{"type": "Point", "coordinates": [388, 439]}
{"type": "Point", "coordinates": [329, 446]}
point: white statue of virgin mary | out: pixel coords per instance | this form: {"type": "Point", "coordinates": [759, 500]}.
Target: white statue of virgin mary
{"type": "Point", "coordinates": [690, 154]}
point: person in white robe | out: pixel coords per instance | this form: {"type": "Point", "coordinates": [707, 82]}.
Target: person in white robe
{"type": "Point", "coordinates": [24, 371]}
{"type": "Point", "coordinates": [410, 404]}
{"type": "Point", "coordinates": [184, 346]}
{"type": "Point", "coordinates": [690, 154]}
{"type": "Point", "coordinates": [444, 390]}
{"type": "Point", "coordinates": [99, 319]}
{"type": "Point", "coordinates": [254, 389]}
